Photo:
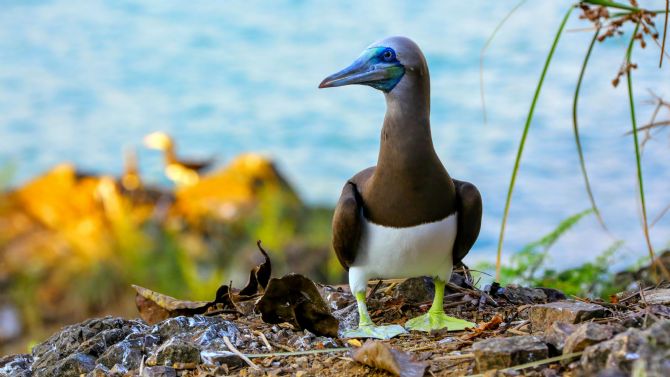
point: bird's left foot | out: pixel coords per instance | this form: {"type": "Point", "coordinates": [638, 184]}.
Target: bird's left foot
{"type": "Point", "coordinates": [437, 321]}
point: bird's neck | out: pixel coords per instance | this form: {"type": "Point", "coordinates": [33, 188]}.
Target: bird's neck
{"type": "Point", "coordinates": [406, 140]}
{"type": "Point", "coordinates": [409, 186]}
{"type": "Point", "coordinates": [170, 155]}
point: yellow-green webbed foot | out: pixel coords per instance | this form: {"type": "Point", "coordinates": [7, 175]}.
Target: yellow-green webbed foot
{"type": "Point", "coordinates": [367, 328]}
{"type": "Point", "coordinates": [436, 319]}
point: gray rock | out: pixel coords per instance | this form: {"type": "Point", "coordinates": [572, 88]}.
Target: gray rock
{"type": "Point", "coordinates": [15, 366]}
{"type": "Point", "coordinates": [73, 365]}
{"type": "Point", "coordinates": [657, 296]}
{"type": "Point", "coordinates": [159, 371]}
{"type": "Point", "coordinates": [90, 338]}
{"type": "Point", "coordinates": [499, 353]}
{"type": "Point", "coordinates": [568, 311]}
{"type": "Point", "coordinates": [587, 334]}
{"type": "Point", "coordinates": [99, 371]}
{"type": "Point", "coordinates": [557, 333]}
{"type": "Point", "coordinates": [126, 354]}
{"type": "Point", "coordinates": [522, 295]}
{"type": "Point", "coordinates": [419, 289]}
{"type": "Point", "coordinates": [177, 351]}
{"type": "Point", "coordinates": [221, 358]}
{"type": "Point", "coordinates": [637, 352]}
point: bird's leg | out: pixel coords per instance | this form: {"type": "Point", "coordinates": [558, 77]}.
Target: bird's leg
{"type": "Point", "coordinates": [367, 328]}
{"type": "Point", "coordinates": [436, 319]}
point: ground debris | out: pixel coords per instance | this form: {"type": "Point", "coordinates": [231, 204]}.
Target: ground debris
{"type": "Point", "coordinates": [195, 345]}
{"type": "Point", "coordinates": [499, 353]}
{"type": "Point", "coordinates": [296, 300]}
{"type": "Point", "coordinates": [569, 311]}
{"type": "Point", "coordinates": [379, 355]}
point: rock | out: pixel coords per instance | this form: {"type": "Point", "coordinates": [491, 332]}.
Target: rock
{"type": "Point", "coordinates": [568, 311]}
{"type": "Point", "coordinates": [221, 358]}
{"type": "Point", "coordinates": [15, 366]}
{"type": "Point", "coordinates": [556, 335]}
{"type": "Point", "coordinates": [127, 354]}
{"type": "Point", "coordinates": [522, 295]}
{"type": "Point", "coordinates": [176, 351]}
{"type": "Point", "coordinates": [99, 371]}
{"type": "Point", "coordinates": [419, 289]}
{"type": "Point", "coordinates": [336, 298]}
{"type": "Point", "coordinates": [90, 338]}
{"type": "Point", "coordinates": [585, 335]}
{"type": "Point", "coordinates": [159, 371]}
{"type": "Point", "coordinates": [553, 294]}
{"type": "Point", "coordinates": [499, 353]}
{"type": "Point", "coordinates": [73, 365]}
{"type": "Point", "coordinates": [657, 296]}
{"type": "Point", "coordinates": [637, 352]}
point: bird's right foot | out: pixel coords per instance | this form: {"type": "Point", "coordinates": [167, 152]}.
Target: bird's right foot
{"type": "Point", "coordinates": [374, 331]}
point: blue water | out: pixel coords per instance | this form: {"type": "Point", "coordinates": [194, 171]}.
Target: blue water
{"type": "Point", "coordinates": [80, 81]}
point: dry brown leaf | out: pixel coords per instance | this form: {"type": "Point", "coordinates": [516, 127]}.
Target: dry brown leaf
{"type": "Point", "coordinates": [259, 276]}
{"type": "Point", "coordinates": [155, 307]}
{"type": "Point", "coordinates": [379, 355]}
{"type": "Point", "coordinates": [296, 300]}
{"type": "Point", "coordinates": [479, 330]}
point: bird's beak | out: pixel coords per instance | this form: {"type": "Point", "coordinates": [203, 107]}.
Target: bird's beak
{"type": "Point", "coordinates": [365, 70]}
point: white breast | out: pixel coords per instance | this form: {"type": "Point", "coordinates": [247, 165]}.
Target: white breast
{"type": "Point", "coordinates": [386, 252]}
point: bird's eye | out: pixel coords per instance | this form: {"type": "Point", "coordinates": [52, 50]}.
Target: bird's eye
{"type": "Point", "coordinates": [388, 55]}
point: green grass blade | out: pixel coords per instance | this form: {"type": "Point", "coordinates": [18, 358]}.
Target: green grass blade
{"type": "Point", "coordinates": [611, 4]}
{"type": "Point", "coordinates": [481, 55]}
{"type": "Point", "coordinates": [665, 32]}
{"type": "Point", "coordinates": [638, 162]}
{"type": "Point", "coordinates": [523, 139]}
{"type": "Point", "coordinates": [575, 128]}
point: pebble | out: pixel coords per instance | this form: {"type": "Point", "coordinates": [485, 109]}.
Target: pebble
{"type": "Point", "coordinates": [568, 311]}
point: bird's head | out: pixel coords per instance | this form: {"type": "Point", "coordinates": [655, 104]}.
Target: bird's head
{"type": "Point", "coordinates": [382, 65]}
{"type": "Point", "coordinates": [158, 140]}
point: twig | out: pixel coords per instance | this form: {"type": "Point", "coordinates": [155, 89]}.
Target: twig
{"type": "Point", "coordinates": [454, 357]}
{"type": "Point", "coordinates": [665, 32]}
{"type": "Point", "coordinates": [660, 215]}
{"type": "Point", "coordinates": [234, 350]}
{"type": "Point", "coordinates": [296, 353]}
{"type": "Point", "coordinates": [374, 289]}
{"type": "Point", "coordinates": [264, 339]}
{"type": "Point", "coordinates": [516, 332]}
{"type": "Point", "coordinates": [283, 347]}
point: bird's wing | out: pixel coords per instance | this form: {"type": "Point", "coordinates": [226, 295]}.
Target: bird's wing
{"type": "Point", "coordinates": [347, 219]}
{"type": "Point", "coordinates": [198, 165]}
{"type": "Point", "coordinates": [469, 208]}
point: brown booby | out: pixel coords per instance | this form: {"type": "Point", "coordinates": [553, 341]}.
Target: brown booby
{"type": "Point", "coordinates": [405, 216]}
{"type": "Point", "coordinates": [180, 171]}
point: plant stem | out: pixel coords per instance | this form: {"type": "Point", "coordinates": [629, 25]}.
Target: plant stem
{"type": "Point", "coordinates": [612, 4]}
{"type": "Point", "coordinates": [665, 31]}
{"type": "Point", "coordinates": [575, 128]}
{"type": "Point", "coordinates": [638, 162]}
{"type": "Point", "coordinates": [523, 140]}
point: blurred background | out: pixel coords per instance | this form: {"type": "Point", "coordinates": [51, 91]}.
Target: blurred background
{"type": "Point", "coordinates": [152, 143]}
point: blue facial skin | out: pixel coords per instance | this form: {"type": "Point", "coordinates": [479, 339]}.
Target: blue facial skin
{"type": "Point", "coordinates": [386, 56]}
{"type": "Point", "coordinates": [377, 67]}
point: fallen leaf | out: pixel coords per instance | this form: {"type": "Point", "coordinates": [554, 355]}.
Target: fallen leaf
{"type": "Point", "coordinates": [155, 307]}
{"type": "Point", "coordinates": [379, 355]}
{"type": "Point", "coordinates": [490, 325]}
{"type": "Point", "coordinates": [296, 300]}
{"type": "Point", "coordinates": [259, 276]}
